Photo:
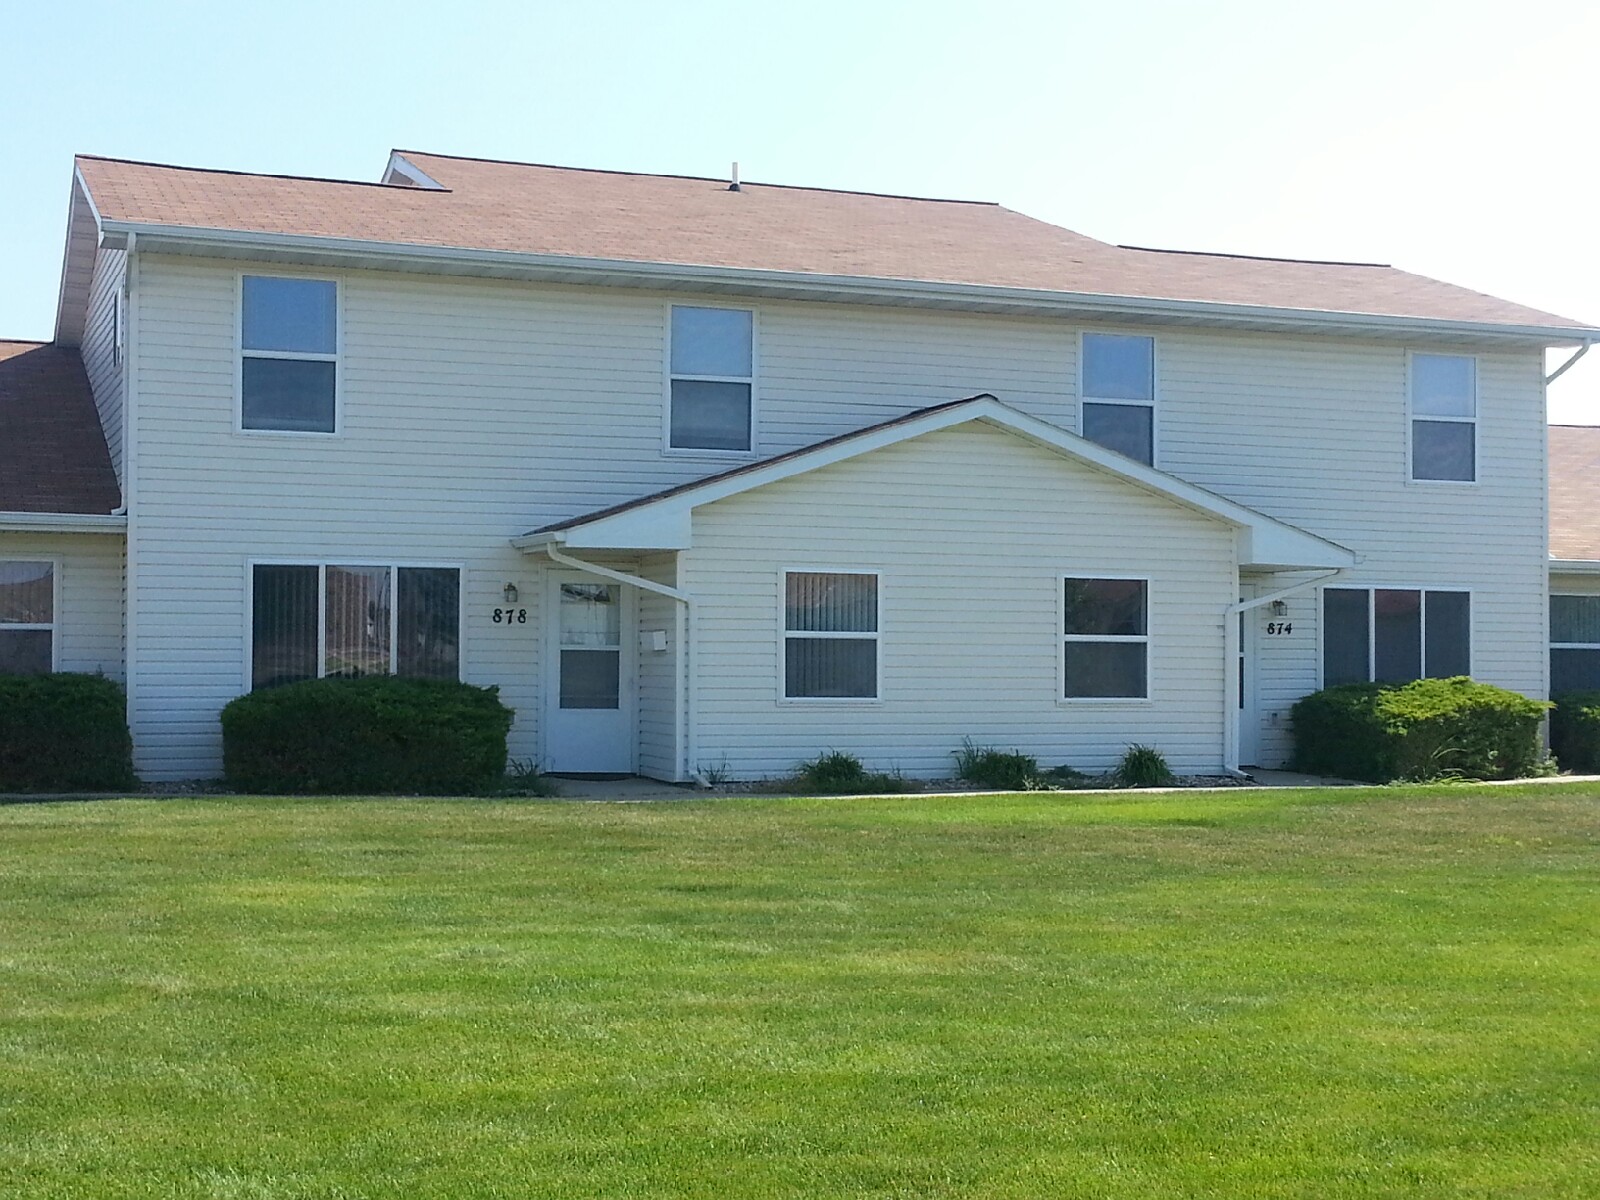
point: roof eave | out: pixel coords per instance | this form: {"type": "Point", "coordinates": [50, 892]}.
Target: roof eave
{"type": "Point", "coordinates": [798, 284]}
{"type": "Point", "coordinates": [1574, 566]}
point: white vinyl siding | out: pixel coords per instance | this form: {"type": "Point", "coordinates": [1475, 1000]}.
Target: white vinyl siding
{"type": "Point", "coordinates": [87, 607]}
{"type": "Point", "coordinates": [475, 410]}
{"type": "Point", "coordinates": [972, 617]}
{"type": "Point", "coordinates": [658, 672]}
{"type": "Point", "coordinates": [105, 323]}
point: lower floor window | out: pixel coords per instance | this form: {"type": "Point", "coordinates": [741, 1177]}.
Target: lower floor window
{"type": "Point", "coordinates": [1106, 639]}
{"type": "Point", "coordinates": [830, 638]}
{"type": "Point", "coordinates": [1394, 635]}
{"type": "Point", "coordinates": [1574, 644]}
{"type": "Point", "coordinates": [27, 618]}
{"type": "Point", "coordinates": [314, 620]}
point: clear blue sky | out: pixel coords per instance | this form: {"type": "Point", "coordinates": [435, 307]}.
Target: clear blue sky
{"type": "Point", "coordinates": [1447, 138]}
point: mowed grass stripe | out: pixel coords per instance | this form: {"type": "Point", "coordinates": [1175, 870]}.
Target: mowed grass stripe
{"type": "Point", "coordinates": [1368, 992]}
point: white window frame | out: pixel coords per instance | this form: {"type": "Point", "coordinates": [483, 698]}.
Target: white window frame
{"type": "Point", "coordinates": [336, 358]}
{"type": "Point", "coordinates": [54, 625]}
{"type": "Point", "coordinates": [1412, 417]}
{"type": "Point", "coordinates": [1063, 637]}
{"type": "Point", "coordinates": [322, 565]}
{"type": "Point", "coordinates": [1153, 404]}
{"type": "Point", "coordinates": [667, 376]}
{"type": "Point", "coordinates": [785, 633]}
{"type": "Point", "coordinates": [1555, 645]}
{"type": "Point", "coordinates": [1372, 623]}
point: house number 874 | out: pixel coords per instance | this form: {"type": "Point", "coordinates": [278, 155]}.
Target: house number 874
{"type": "Point", "coordinates": [510, 616]}
{"type": "Point", "coordinates": [1279, 628]}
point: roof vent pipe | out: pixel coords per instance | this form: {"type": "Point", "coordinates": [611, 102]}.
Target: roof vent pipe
{"type": "Point", "coordinates": [734, 186]}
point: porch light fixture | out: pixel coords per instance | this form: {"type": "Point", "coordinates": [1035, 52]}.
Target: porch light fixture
{"type": "Point", "coordinates": [510, 593]}
{"type": "Point", "coordinates": [1280, 608]}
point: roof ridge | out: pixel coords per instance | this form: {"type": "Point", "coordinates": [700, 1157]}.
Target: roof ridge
{"type": "Point", "coordinates": [1310, 262]}
{"type": "Point", "coordinates": [743, 183]}
{"type": "Point", "coordinates": [367, 183]}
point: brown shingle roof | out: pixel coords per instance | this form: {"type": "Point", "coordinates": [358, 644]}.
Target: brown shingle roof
{"type": "Point", "coordinates": [679, 220]}
{"type": "Point", "coordinates": [53, 456]}
{"type": "Point", "coordinates": [1575, 491]}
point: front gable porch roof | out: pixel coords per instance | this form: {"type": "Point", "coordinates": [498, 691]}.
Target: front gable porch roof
{"type": "Point", "coordinates": [664, 520]}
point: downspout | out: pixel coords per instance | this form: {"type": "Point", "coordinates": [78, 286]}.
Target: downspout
{"type": "Point", "coordinates": [687, 746]}
{"type": "Point", "coordinates": [1570, 363]}
{"type": "Point", "coordinates": [1230, 651]}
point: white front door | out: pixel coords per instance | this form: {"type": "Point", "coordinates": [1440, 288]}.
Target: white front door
{"type": "Point", "coordinates": [591, 676]}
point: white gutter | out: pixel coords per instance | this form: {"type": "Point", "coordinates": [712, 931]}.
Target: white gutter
{"type": "Point", "coordinates": [1570, 363]}
{"type": "Point", "coordinates": [685, 739]}
{"type": "Point", "coordinates": [1230, 653]}
{"type": "Point", "coordinates": [30, 522]}
{"type": "Point", "coordinates": [849, 287]}
{"type": "Point", "coordinates": [1574, 566]}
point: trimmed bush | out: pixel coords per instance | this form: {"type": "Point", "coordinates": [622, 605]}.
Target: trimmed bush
{"type": "Point", "coordinates": [1428, 729]}
{"type": "Point", "coordinates": [64, 733]}
{"type": "Point", "coordinates": [1575, 731]}
{"type": "Point", "coordinates": [1000, 770]}
{"type": "Point", "coordinates": [379, 734]}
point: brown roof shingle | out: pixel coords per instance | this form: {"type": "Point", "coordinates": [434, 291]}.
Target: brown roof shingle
{"type": "Point", "coordinates": [1575, 491]}
{"type": "Point", "coordinates": [679, 220]}
{"type": "Point", "coordinates": [53, 456]}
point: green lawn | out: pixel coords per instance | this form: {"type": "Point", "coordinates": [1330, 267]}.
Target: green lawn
{"type": "Point", "coordinates": [1375, 992]}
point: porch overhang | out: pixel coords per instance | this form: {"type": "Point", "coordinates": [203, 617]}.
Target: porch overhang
{"type": "Point", "coordinates": [665, 520]}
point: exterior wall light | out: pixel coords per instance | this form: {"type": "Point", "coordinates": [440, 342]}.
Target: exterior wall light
{"type": "Point", "coordinates": [1280, 608]}
{"type": "Point", "coordinates": [510, 593]}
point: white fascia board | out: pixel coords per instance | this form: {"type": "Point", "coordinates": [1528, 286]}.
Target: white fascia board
{"type": "Point", "coordinates": [843, 288]}
{"type": "Point", "coordinates": [666, 524]}
{"type": "Point", "coordinates": [29, 522]}
{"type": "Point", "coordinates": [72, 303]}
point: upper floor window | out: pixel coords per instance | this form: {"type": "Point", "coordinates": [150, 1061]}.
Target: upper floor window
{"type": "Point", "coordinates": [710, 405]}
{"type": "Point", "coordinates": [1119, 393]}
{"type": "Point", "coordinates": [27, 618]}
{"type": "Point", "coordinates": [289, 338]}
{"type": "Point", "coordinates": [1394, 635]}
{"type": "Point", "coordinates": [1444, 417]}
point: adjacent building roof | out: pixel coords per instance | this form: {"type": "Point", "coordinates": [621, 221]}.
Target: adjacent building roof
{"type": "Point", "coordinates": [53, 456]}
{"type": "Point", "coordinates": [1575, 492]}
{"type": "Point", "coordinates": [474, 204]}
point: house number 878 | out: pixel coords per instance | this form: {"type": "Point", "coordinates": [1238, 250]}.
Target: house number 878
{"type": "Point", "coordinates": [510, 616]}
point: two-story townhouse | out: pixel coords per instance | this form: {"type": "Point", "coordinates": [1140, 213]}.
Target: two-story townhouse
{"type": "Point", "coordinates": [709, 475]}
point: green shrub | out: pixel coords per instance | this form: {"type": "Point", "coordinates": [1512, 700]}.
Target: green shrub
{"type": "Point", "coordinates": [64, 733]}
{"type": "Point", "coordinates": [1575, 731]}
{"type": "Point", "coordinates": [839, 774]}
{"type": "Point", "coordinates": [999, 770]}
{"type": "Point", "coordinates": [374, 734]}
{"type": "Point", "coordinates": [1428, 729]}
{"type": "Point", "coordinates": [1142, 767]}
